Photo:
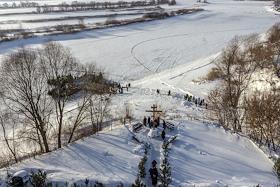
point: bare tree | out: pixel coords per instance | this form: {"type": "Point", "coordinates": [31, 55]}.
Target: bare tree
{"type": "Point", "coordinates": [98, 110]}
{"type": "Point", "coordinates": [263, 118]}
{"type": "Point", "coordinates": [58, 65]}
{"type": "Point", "coordinates": [236, 66]}
{"type": "Point", "coordinates": [10, 141]}
{"type": "Point", "coordinates": [24, 91]}
{"type": "Point", "coordinates": [81, 115]}
{"type": "Point", "coordinates": [233, 101]}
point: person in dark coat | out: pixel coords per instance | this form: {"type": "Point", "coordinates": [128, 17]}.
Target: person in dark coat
{"type": "Point", "coordinates": [154, 163]}
{"type": "Point", "coordinates": [157, 91]}
{"type": "Point", "coordinates": [158, 121]}
{"type": "Point", "coordinates": [164, 124]}
{"type": "Point", "coordinates": [149, 121]}
{"type": "Point", "coordinates": [154, 173]}
{"type": "Point", "coordinates": [121, 90]}
{"type": "Point", "coordinates": [145, 121]}
{"type": "Point", "coordinates": [163, 135]}
{"type": "Point", "coordinates": [169, 92]}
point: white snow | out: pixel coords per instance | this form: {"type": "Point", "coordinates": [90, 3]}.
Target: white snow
{"type": "Point", "coordinates": [171, 54]}
{"type": "Point", "coordinates": [106, 157]}
{"type": "Point", "coordinates": [153, 133]}
{"type": "Point", "coordinates": [203, 154]}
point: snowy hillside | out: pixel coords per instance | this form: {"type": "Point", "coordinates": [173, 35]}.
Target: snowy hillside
{"type": "Point", "coordinates": [203, 154]}
{"type": "Point", "coordinates": [169, 54]}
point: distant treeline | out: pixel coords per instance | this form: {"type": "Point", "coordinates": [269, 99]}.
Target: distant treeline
{"type": "Point", "coordinates": [19, 5]}
{"type": "Point", "coordinates": [82, 6]}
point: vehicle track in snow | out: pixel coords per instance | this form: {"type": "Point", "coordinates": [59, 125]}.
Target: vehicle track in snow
{"type": "Point", "coordinates": [150, 40]}
{"type": "Point", "coordinates": [176, 59]}
{"type": "Point", "coordinates": [184, 35]}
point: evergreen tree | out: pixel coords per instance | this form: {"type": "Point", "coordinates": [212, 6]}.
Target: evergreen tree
{"type": "Point", "coordinates": [38, 179]}
{"type": "Point", "coordinates": [138, 183]}
{"type": "Point", "coordinates": [141, 167]}
{"type": "Point", "coordinates": [165, 171]}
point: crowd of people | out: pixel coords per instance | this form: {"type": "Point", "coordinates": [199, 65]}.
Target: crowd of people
{"type": "Point", "coordinates": [196, 100]}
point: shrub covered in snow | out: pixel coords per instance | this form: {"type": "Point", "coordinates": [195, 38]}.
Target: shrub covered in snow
{"type": "Point", "coordinates": [141, 167]}
{"type": "Point", "coordinates": [138, 183]}
{"type": "Point", "coordinates": [38, 179]}
{"type": "Point", "coordinates": [165, 171]}
{"type": "Point", "coordinates": [165, 168]}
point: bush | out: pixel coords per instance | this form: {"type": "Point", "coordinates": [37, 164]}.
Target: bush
{"type": "Point", "coordinates": [141, 167]}
{"type": "Point", "coordinates": [98, 184]}
{"type": "Point", "coordinates": [213, 74]}
{"type": "Point", "coordinates": [276, 168]}
{"type": "Point", "coordinates": [38, 179]}
{"type": "Point", "coordinates": [156, 15]}
{"type": "Point", "coordinates": [112, 22]}
{"type": "Point", "coordinates": [138, 183]}
{"type": "Point", "coordinates": [165, 171]}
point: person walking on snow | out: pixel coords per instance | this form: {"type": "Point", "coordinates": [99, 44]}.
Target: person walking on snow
{"type": "Point", "coordinates": [163, 135]}
{"type": "Point", "coordinates": [149, 121]}
{"type": "Point", "coordinates": [164, 124]}
{"type": "Point", "coordinates": [154, 173]}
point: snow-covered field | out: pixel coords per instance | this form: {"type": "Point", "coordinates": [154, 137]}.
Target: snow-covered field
{"type": "Point", "coordinates": [170, 54]}
{"type": "Point", "coordinates": [137, 50]}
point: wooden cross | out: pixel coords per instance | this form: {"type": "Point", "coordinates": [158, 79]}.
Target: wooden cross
{"type": "Point", "coordinates": [154, 111]}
